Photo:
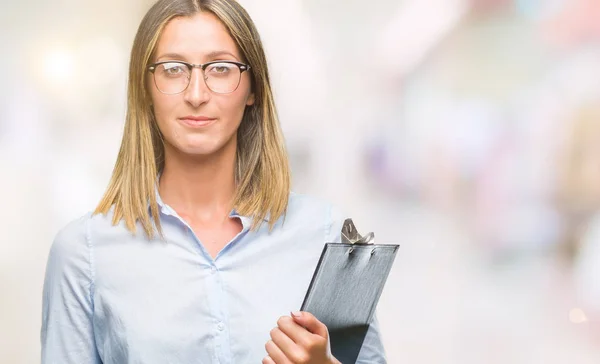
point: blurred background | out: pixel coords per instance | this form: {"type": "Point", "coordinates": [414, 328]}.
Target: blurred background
{"type": "Point", "coordinates": [467, 131]}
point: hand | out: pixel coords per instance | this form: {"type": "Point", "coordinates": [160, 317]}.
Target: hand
{"type": "Point", "coordinates": [299, 339]}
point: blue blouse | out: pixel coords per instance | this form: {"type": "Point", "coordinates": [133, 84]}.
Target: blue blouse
{"type": "Point", "coordinates": [113, 297]}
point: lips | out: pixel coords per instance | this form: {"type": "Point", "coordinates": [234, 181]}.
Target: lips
{"type": "Point", "coordinates": [197, 121]}
{"type": "Point", "coordinates": [197, 118]}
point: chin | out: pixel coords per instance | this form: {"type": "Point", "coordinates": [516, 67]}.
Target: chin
{"type": "Point", "coordinates": [199, 151]}
{"type": "Point", "coordinates": [203, 149]}
{"type": "Point", "coordinates": [201, 146]}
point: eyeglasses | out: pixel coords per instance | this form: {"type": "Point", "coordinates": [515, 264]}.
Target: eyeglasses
{"type": "Point", "coordinates": [173, 77]}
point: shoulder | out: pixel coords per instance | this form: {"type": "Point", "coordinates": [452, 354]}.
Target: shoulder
{"type": "Point", "coordinates": [299, 201]}
{"type": "Point", "coordinates": [69, 253]}
{"type": "Point", "coordinates": [71, 237]}
{"type": "Point", "coordinates": [302, 205]}
{"type": "Point", "coordinates": [308, 210]}
{"type": "Point", "coordinates": [74, 240]}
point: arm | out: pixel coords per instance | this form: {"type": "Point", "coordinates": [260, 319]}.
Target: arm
{"type": "Point", "coordinates": [372, 351]}
{"type": "Point", "coordinates": [67, 333]}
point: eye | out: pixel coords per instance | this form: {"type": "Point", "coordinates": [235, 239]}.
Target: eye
{"type": "Point", "coordinates": [173, 69]}
{"type": "Point", "coordinates": [220, 68]}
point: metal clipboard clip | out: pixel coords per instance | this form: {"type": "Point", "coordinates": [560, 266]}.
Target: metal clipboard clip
{"type": "Point", "coordinates": [351, 236]}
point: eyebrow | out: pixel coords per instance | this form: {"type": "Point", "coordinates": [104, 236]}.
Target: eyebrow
{"type": "Point", "coordinates": [211, 55]}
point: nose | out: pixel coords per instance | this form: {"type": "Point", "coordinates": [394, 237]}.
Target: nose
{"type": "Point", "coordinates": [197, 93]}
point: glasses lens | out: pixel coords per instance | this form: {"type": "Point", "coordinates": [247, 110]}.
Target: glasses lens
{"type": "Point", "coordinates": [172, 77]}
{"type": "Point", "coordinates": [222, 78]}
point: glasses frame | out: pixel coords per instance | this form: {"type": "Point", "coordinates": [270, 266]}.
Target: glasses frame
{"type": "Point", "coordinates": [242, 66]}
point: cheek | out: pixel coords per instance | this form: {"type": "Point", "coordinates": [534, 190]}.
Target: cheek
{"type": "Point", "coordinates": [234, 106]}
{"type": "Point", "coordinates": [164, 111]}
{"type": "Point", "coordinates": [234, 113]}
{"type": "Point", "coordinates": [162, 105]}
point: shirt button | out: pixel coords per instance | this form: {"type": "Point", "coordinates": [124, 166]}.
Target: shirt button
{"type": "Point", "coordinates": [213, 270]}
{"type": "Point", "coordinates": [220, 326]}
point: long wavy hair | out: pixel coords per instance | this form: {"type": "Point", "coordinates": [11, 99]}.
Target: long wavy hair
{"type": "Point", "coordinates": [262, 170]}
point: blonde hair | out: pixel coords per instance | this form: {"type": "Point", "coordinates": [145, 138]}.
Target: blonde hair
{"type": "Point", "coordinates": [262, 171]}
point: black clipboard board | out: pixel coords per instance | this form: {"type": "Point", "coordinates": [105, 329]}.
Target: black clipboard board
{"type": "Point", "coordinates": [346, 287]}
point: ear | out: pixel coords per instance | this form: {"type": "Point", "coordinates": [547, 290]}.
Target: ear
{"type": "Point", "coordinates": [250, 100]}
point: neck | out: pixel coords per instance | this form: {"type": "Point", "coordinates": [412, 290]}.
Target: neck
{"type": "Point", "coordinates": [202, 187]}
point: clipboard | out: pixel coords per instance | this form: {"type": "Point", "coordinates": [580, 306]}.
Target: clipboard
{"type": "Point", "coordinates": [346, 287]}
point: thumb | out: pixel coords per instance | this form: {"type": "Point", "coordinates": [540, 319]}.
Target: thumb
{"type": "Point", "coordinates": [310, 322]}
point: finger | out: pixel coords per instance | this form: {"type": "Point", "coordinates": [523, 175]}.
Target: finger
{"type": "Point", "coordinates": [310, 322]}
{"type": "Point", "coordinates": [276, 354]}
{"type": "Point", "coordinates": [268, 360]}
{"type": "Point", "coordinates": [296, 332]}
{"type": "Point", "coordinates": [285, 343]}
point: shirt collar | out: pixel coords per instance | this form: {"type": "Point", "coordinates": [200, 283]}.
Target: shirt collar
{"type": "Point", "coordinates": [167, 210]}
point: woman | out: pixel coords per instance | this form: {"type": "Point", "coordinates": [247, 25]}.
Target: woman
{"type": "Point", "coordinates": [198, 252]}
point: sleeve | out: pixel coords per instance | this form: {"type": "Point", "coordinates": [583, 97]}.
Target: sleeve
{"type": "Point", "coordinates": [372, 350]}
{"type": "Point", "coordinates": [67, 332]}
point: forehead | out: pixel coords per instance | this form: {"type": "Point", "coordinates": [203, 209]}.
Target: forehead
{"type": "Point", "coordinates": [196, 36]}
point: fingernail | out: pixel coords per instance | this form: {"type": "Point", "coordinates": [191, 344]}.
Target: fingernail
{"type": "Point", "coordinates": [297, 314]}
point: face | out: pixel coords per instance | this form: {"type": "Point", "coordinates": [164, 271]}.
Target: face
{"type": "Point", "coordinates": [199, 39]}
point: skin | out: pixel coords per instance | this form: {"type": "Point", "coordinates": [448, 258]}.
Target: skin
{"type": "Point", "coordinates": [198, 180]}
{"type": "Point", "coordinates": [299, 339]}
